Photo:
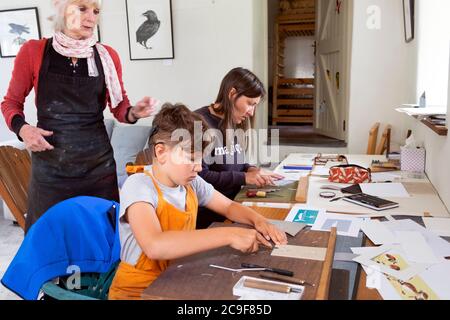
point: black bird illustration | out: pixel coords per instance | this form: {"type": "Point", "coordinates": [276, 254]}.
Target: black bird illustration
{"type": "Point", "coordinates": [148, 29]}
{"type": "Point", "coordinates": [18, 29]}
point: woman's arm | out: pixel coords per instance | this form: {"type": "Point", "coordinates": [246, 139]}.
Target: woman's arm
{"type": "Point", "coordinates": [238, 213]}
{"type": "Point", "coordinates": [222, 180]}
{"type": "Point", "coordinates": [124, 112]}
{"type": "Point", "coordinates": [19, 87]}
{"type": "Point", "coordinates": [169, 245]}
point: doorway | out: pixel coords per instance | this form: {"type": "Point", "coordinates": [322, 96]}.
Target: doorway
{"type": "Point", "coordinates": [306, 43]}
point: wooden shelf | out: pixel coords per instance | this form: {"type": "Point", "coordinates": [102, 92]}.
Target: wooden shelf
{"type": "Point", "coordinates": [440, 130]}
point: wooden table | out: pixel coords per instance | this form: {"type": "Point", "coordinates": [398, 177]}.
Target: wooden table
{"type": "Point", "coordinates": [362, 293]}
{"type": "Point", "coordinates": [191, 277]}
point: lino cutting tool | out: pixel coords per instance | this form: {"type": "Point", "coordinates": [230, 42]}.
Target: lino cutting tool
{"type": "Point", "coordinates": [255, 284]}
{"type": "Point", "coordinates": [274, 270]}
{"type": "Point", "coordinates": [271, 276]}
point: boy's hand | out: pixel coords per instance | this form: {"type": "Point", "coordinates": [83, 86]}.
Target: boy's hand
{"type": "Point", "coordinates": [244, 240]}
{"type": "Point", "coordinates": [270, 232]}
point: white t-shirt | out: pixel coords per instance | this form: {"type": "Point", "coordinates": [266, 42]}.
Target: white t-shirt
{"type": "Point", "coordinates": [140, 188]}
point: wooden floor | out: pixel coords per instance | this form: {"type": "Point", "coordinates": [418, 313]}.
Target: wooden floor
{"type": "Point", "coordinates": [304, 136]}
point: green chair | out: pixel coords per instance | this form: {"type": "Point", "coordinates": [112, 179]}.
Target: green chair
{"type": "Point", "coordinates": [94, 286]}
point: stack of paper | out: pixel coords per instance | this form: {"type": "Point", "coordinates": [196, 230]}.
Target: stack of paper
{"type": "Point", "coordinates": [410, 263]}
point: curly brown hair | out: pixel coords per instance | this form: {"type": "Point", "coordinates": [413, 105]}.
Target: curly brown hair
{"type": "Point", "coordinates": [176, 117]}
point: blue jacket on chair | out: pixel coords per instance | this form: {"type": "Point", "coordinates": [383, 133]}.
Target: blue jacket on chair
{"type": "Point", "coordinates": [81, 232]}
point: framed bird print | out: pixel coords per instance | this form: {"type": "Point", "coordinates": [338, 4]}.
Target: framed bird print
{"type": "Point", "coordinates": [150, 29]}
{"type": "Point", "coordinates": [17, 26]}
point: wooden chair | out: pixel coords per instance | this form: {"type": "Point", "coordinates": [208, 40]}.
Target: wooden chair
{"type": "Point", "coordinates": [373, 136]}
{"type": "Point", "coordinates": [143, 158]}
{"type": "Point", "coordinates": [385, 143]}
{"type": "Point", "coordinates": [15, 172]}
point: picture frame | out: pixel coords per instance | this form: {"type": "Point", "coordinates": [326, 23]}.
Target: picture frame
{"type": "Point", "coordinates": [150, 29]}
{"type": "Point", "coordinates": [409, 17]}
{"type": "Point", "coordinates": [16, 27]}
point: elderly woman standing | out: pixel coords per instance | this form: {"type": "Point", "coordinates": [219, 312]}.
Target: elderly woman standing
{"type": "Point", "coordinates": [74, 78]}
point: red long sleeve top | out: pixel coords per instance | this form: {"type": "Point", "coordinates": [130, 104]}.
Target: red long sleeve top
{"type": "Point", "coordinates": [25, 77]}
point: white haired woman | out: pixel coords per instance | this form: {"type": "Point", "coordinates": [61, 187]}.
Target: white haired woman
{"type": "Point", "coordinates": [74, 78]}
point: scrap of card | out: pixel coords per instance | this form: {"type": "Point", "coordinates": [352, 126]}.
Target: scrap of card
{"type": "Point", "coordinates": [303, 215]}
{"type": "Point", "coordinates": [299, 252]}
{"type": "Point", "coordinates": [290, 228]}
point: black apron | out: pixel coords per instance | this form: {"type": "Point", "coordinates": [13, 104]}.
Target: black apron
{"type": "Point", "coordinates": [82, 163]}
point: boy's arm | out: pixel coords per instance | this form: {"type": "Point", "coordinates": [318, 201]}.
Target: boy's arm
{"type": "Point", "coordinates": [169, 245]}
{"type": "Point", "coordinates": [238, 213]}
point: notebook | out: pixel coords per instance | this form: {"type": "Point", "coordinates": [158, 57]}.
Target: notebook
{"type": "Point", "coordinates": [371, 202]}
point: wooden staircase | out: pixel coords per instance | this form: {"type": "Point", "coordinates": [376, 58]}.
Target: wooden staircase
{"type": "Point", "coordinates": [293, 99]}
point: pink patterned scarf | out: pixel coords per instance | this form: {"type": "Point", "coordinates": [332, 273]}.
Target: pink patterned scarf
{"type": "Point", "coordinates": [72, 48]}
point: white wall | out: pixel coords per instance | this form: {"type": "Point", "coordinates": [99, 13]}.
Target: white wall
{"type": "Point", "coordinates": [434, 38]}
{"type": "Point", "coordinates": [433, 63]}
{"type": "Point", "coordinates": [383, 72]}
{"type": "Point", "coordinates": [210, 38]}
{"type": "Point", "coordinates": [387, 72]}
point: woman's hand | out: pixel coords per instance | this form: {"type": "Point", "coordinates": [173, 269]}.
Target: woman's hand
{"type": "Point", "coordinates": [143, 109]}
{"type": "Point", "coordinates": [260, 177]}
{"type": "Point", "coordinates": [34, 138]}
{"type": "Point", "coordinates": [270, 232]}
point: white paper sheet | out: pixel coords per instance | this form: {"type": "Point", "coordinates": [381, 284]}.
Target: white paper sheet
{"type": "Point", "coordinates": [377, 232]}
{"type": "Point", "coordinates": [346, 225]}
{"type": "Point", "coordinates": [386, 176]}
{"type": "Point", "coordinates": [416, 247]}
{"type": "Point", "coordinates": [440, 226]}
{"type": "Point", "coordinates": [440, 247]}
{"type": "Point", "coordinates": [391, 190]}
{"type": "Point", "coordinates": [291, 175]}
{"type": "Point", "coordinates": [321, 171]}
{"type": "Point", "coordinates": [436, 277]}
{"type": "Point", "coordinates": [412, 269]}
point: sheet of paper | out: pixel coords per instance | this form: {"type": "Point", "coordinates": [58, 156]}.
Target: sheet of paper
{"type": "Point", "coordinates": [299, 252]}
{"type": "Point", "coordinates": [385, 176]}
{"type": "Point", "coordinates": [344, 256]}
{"type": "Point", "coordinates": [428, 111]}
{"type": "Point", "coordinates": [282, 183]}
{"type": "Point", "coordinates": [303, 214]}
{"type": "Point", "coordinates": [292, 175]}
{"type": "Point", "coordinates": [364, 250]}
{"type": "Point", "coordinates": [440, 226]}
{"type": "Point", "coordinates": [247, 293]}
{"type": "Point", "coordinates": [390, 190]}
{"type": "Point", "coordinates": [377, 232]}
{"type": "Point", "coordinates": [438, 280]}
{"type": "Point", "coordinates": [321, 171]}
{"type": "Point", "coordinates": [440, 247]}
{"type": "Point", "coordinates": [299, 158]}
{"type": "Point", "coordinates": [291, 228]}
{"type": "Point", "coordinates": [391, 260]}
{"type": "Point", "coordinates": [346, 225]}
{"type": "Point", "coordinates": [415, 247]}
